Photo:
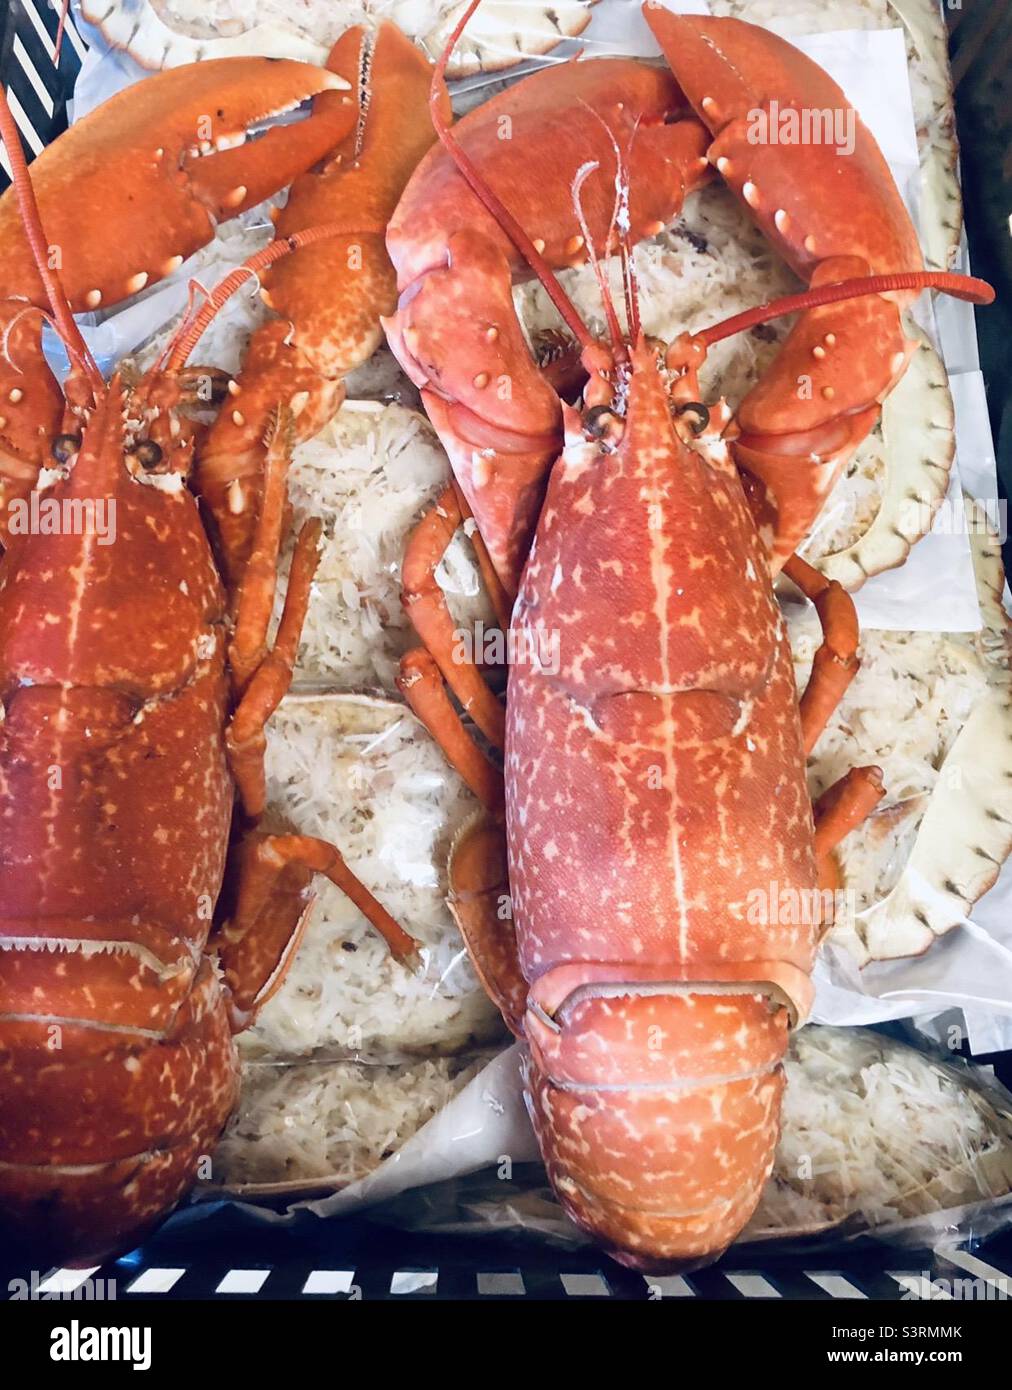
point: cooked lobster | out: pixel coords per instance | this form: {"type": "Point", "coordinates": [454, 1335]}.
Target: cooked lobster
{"type": "Point", "coordinates": [654, 773]}
{"type": "Point", "coordinates": [144, 915]}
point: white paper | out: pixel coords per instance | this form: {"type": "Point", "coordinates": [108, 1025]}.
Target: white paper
{"type": "Point", "coordinates": [484, 1125]}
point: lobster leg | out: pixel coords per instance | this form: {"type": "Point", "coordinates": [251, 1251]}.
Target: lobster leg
{"type": "Point", "coordinates": [849, 801]}
{"type": "Point", "coordinates": [261, 677]}
{"type": "Point", "coordinates": [836, 662]}
{"type": "Point", "coordinates": [480, 903]}
{"type": "Point", "coordinates": [425, 604]}
{"type": "Point", "coordinates": [257, 945]}
{"type": "Point", "coordinates": [844, 805]}
{"type": "Point", "coordinates": [421, 684]}
{"type": "Point", "coordinates": [255, 598]}
{"type": "Point", "coordinates": [494, 588]}
{"type": "Point", "coordinates": [839, 810]}
{"type": "Point", "coordinates": [329, 297]}
{"type": "Point", "coordinates": [245, 737]}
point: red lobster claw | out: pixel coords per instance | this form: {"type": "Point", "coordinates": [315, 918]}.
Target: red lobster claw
{"type": "Point", "coordinates": [832, 211]}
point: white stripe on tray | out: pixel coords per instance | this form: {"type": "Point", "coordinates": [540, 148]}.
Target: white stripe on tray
{"type": "Point", "coordinates": [834, 1284]}
{"type": "Point", "coordinates": [753, 1285]}
{"type": "Point", "coordinates": [156, 1280]}
{"type": "Point", "coordinates": [24, 124]}
{"type": "Point", "coordinates": [47, 43]}
{"type": "Point", "coordinates": [30, 71]}
{"type": "Point", "coordinates": [243, 1281]}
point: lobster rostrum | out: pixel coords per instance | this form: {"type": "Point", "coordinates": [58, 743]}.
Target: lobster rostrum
{"type": "Point", "coordinates": [131, 778]}
{"type": "Point", "coordinates": [613, 898]}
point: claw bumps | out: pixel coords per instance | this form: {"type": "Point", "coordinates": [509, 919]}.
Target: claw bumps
{"type": "Point", "coordinates": [173, 143]}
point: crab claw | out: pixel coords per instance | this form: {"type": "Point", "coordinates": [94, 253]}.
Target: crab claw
{"type": "Point", "coordinates": [129, 192]}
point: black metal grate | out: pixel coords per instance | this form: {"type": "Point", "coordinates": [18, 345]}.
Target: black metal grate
{"type": "Point", "coordinates": [478, 1271]}
{"type": "Point", "coordinates": [228, 1257]}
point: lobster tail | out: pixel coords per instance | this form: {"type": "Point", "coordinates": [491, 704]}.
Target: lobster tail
{"type": "Point", "coordinates": [657, 1115]}
{"type": "Point", "coordinates": [102, 1128]}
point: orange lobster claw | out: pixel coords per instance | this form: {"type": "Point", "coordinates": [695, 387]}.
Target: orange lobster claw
{"type": "Point", "coordinates": [132, 190]}
{"type": "Point", "coordinates": [329, 297]}
{"type": "Point", "coordinates": [137, 186]}
{"type": "Point", "coordinates": [455, 331]}
{"type": "Point", "coordinates": [833, 212]}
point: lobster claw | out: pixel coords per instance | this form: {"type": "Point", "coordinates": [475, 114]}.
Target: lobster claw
{"type": "Point", "coordinates": [826, 200]}
{"type": "Point", "coordinates": [132, 190]}
{"type": "Point", "coordinates": [328, 297]}
{"type": "Point", "coordinates": [821, 396]}
{"type": "Point", "coordinates": [498, 418]}
{"type": "Point", "coordinates": [262, 165]}
{"type": "Point", "coordinates": [817, 191]}
{"type": "Point", "coordinates": [163, 161]}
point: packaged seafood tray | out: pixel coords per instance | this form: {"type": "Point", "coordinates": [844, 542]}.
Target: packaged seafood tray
{"type": "Point", "coordinates": [308, 929]}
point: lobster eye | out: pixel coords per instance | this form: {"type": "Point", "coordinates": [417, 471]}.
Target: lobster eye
{"type": "Point", "coordinates": [699, 415]}
{"type": "Point", "coordinates": [65, 446]}
{"type": "Point", "coordinates": [597, 420]}
{"type": "Point", "coordinates": [147, 453]}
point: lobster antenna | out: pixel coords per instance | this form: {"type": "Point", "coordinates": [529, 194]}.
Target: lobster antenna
{"type": "Point", "coordinates": [579, 179]}
{"type": "Point", "coordinates": [966, 287]}
{"type": "Point", "coordinates": [31, 220]}
{"type": "Point", "coordinates": [629, 286]}
{"type": "Point", "coordinates": [193, 326]}
{"type": "Point", "coordinates": [489, 199]}
{"type": "Point", "coordinates": [620, 220]}
{"type": "Point", "coordinates": [61, 29]}
{"type": "Point", "coordinates": [193, 288]}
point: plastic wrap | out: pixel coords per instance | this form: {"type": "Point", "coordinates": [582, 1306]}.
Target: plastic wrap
{"type": "Point", "coordinates": [881, 1139]}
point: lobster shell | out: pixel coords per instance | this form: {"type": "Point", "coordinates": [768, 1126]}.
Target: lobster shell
{"type": "Point", "coordinates": [655, 781]}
